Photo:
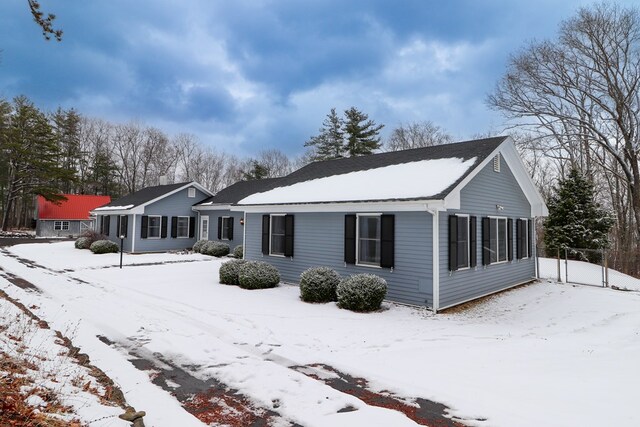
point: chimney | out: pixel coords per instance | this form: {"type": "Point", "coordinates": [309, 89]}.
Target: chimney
{"type": "Point", "coordinates": [163, 180]}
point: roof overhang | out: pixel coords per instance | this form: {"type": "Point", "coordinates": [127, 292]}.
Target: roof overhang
{"type": "Point", "coordinates": [214, 207]}
{"type": "Point", "coordinates": [374, 206]}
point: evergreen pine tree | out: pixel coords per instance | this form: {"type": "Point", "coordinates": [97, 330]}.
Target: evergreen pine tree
{"type": "Point", "coordinates": [329, 143]}
{"type": "Point", "coordinates": [363, 135]}
{"type": "Point", "coordinates": [257, 171]}
{"type": "Point", "coordinates": [575, 220]}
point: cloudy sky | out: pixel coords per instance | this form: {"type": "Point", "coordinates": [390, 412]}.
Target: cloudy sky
{"type": "Point", "coordinates": [250, 75]}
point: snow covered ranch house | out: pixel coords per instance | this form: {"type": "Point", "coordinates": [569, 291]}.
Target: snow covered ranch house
{"type": "Point", "coordinates": [68, 217]}
{"type": "Point", "coordinates": [215, 218]}
{"type": "Point", "coordinates": [442, 225]}
{"type": "Point", "coordinates": [154, 219]}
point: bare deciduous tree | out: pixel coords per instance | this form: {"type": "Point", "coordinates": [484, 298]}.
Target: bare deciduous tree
{"type": "Point", "coordinates": [416, 135]}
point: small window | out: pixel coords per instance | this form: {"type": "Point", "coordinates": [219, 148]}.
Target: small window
{"type": "Point", "coordinates": [498, 240]}
{"type": "Point", "coordinates": [57, 225]}
{"type": "Point", "coordinates": [368, 239]}
{"type": "Point", "coordinates": [496, 163]}
{"type": "Point", "coordinates": [277, 238]}
{"type": "Point", "coordinates": [153, 227]}
{"type": "Point", "coordinates": [183, 226]}
{"type": "Point", "coordinates": [226, 227]}
{"type": "Point", "coordinates": [192, 192]}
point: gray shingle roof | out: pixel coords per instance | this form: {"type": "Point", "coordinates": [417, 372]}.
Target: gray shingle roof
{"type": "Point", "coordinates": [145, 195]}
{"type": "Point", "coordinates": [238, 191]}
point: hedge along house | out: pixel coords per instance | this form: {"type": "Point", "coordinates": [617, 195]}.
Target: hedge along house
{"type": "Point", "coordinates": [154, 219]}
{"type": "Point", "coordinates": [443, 225]}
{"type": "Point", "coordinates": [216, 220]}
{"type": "Point", "coordinates": [68, 217]}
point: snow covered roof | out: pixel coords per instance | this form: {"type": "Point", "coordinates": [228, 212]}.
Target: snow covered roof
{"type": "Point", "coordinates": [428, 173]}
{"type": "Point", "coordinates": [238, 191]}
{"type": "Point", "coordinates": [77, 206]}
{"type": "Point", "coordinates": [147, 195]}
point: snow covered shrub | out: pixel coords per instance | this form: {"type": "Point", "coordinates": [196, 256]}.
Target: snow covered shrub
{"type": "Point", "coordinates": [229, 271]}
{"type": "Point", "coordinates": [93, 236]}
{"type": "Point", "coordinates": [83, 243]}
{"type": "Point", "coordinates": [238, 251]}
{"type": "Point", "coordinates": [319, 284]}
{"type": "Point", "coordinates": [216, 249]}
{"type": "Point", "coordinates": [361, 292]}
{"type": "Point", "coordinates": [197, 246]}
{"type": "Point", "coordinates": [104, 247]}
{"type": "Point", "coordinates": [258, 275]}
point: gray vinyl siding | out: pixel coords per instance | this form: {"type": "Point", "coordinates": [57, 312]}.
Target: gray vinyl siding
{"type": "Point", "coordinates": [238, 229]}
{"type": "Point", "coordinates": [45, 228]}
{"type": "Point", "coordinates": [319, 241]}
{"type": "Point", "coordinates": [113, 230]}
{"type": "Point", "coordinates": [479, 198]}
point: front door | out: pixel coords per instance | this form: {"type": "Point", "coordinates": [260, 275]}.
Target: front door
{"type": "Point", "coordinates": [204, 228]}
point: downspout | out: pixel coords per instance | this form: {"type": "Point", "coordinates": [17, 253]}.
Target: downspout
{"type": "Point", "coordinates": [133, 234]}
{"type": "Point", "coordinates": [435, 232]}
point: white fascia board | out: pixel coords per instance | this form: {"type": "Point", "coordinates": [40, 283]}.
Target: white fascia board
{"type": "Point", "coordinates": [392, 206]}
{"type": "Point", "coordinates": [511, 156]}
{"type": "Point", "coordinates": [113, 212]}
{"type": "Point", "coordinates": [218, 207]}
{"type": "Point", "coordinates": [140, 208]}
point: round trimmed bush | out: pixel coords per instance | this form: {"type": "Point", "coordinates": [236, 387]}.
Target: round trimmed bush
{"type": "Point", "coordinates": [229, 271]}
{"type": "Point", "coordinates": [83, 243]}
{"type": "Point", "coordinates": [361, 292]}
{"type": "Point", "coordinates": [258, 275]}
{"type": "Point", "coordinates": [319, 284]}
{"type": "Point", "coordinates": [104, 247]}
{"type": "Point", "coordinates": [216, 249]}
{"type": "Point", "coordinates": [197, 246]}
{"type": "Point", "coordinates": [238, 251]}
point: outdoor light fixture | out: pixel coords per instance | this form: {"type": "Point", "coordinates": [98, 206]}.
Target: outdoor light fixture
{"type": "Point", "coordinates": [241, 221]}
{"type": "Point", "coordinates": [500, 207]}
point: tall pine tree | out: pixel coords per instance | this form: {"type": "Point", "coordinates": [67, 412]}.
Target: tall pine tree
{"type": "Point", "coordinates": [329, 143]}
{"type": "Point", "coordinates": [362, 134]}
{"type": "Point", "coordinates": [575, 220]}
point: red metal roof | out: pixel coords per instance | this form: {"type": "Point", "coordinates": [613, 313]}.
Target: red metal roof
{"type": "Point", "coordinates": [77, 206]}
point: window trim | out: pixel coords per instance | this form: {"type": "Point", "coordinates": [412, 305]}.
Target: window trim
{"type": "Point", "coordinates": [365, 215]}
{"type": "Point", "coordinates": [149, 227]}
{"type": "Point", "coordinates": [64, 225]}
{"type": "Point", "coordinates": [191, 192]}
{"type": "Point", "coordinates": [281, 255]}
{"type": "Point", "coordinates": [526, 237]}
{"type": "Point", "coordinates": [468, 267]}
{"type": "Point", "coordinates": [506, 238]}
{"type": "Point", "coordinates": [224, 228]}
{"type": "Point", "coordinates": [178, 226]}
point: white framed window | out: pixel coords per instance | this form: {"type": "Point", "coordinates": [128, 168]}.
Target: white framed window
{"type": "Point", "coordinates": [498, 240]}
{"type": "Point", "coordinates": [182, 227]}
{"type": "Point", "coordinates": [368, 239]}
{"type": "Point", "coordinates": [61, 225]}
{"type": "Point", "coordinates": [192, 192]}
{"type": "Point", "coordinates": [276, 235]}
{"type": "Point", "coordinates": [224, 233]}
{"type": "Point", "coordinates": [496, 163]}
{"type": "Point", "coordinates": [153, 226]}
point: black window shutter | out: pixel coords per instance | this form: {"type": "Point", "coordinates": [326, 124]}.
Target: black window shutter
{"type": "Point", "coordinates": [453, 242]}
{"type": "Point", "coordinates": [387, 241]}
{"type": "Point", "coordinates": [107, 225]}
{"type": "Point", "coordinates": [118, 229]}
{"type": "Point", "coordinates": [288, 235]}
{"type": "Point", "coordinates": [163, 230]}
{"type": "Point", "coordinates": [510, 239]}
{"type": "Point", "coordinates": [350, 239]}
{"type": "Point", "coordinates": [125, 225]}
{"type": "Point", "coordinates": [473, 244]}
{"type": "Point", "coordinates": [192, 227]}
{"type": "Point", "coordinates": [486, 241]}
{"type": "Point", "coordinates": [529, 240]}
{"type": "Point", "coordinates": [174, 226]}
{"type": "Point", "coordinates": [265, 234]}
{"type": "Point", "coordinates": [219, 228]}
{"type": "Point", "coordinates": [519, 236]}
{"type": "Point", "coordinates": [230, 228]}
{"type": "Point", "coordinates": [144, 226]}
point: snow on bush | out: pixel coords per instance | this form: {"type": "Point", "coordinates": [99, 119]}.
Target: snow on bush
{"type": "Point", "coordinates": [83, 243]}
{"type": "Point", "coordinates": [93, 236]}
{"type": "Point", "coordinates": [361, 292]}
{"type": "Point", "coordinates": [216, 249]}
{"type": "Point", "coordinates": [197, 246]}
{"type": "Point", "coordinates": [319, 284]}
{"type": "Point", "coordinates": [238, 251]}
{"type": "Point", "coordinates": [104, 247]}
{"type": "Point", "coordinates": [258, 275]}
{"type": "Point", "coordinates": [229, 271]}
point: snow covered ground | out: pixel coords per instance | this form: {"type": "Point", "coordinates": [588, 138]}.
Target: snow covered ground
{"type": "Point", "coordinates": [586, 273]}
{"type": "Point", "coordinates": [545, 354]}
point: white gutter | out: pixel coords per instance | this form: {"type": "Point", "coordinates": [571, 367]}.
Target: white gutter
{"type": "Point", "coordinates": [435, 253]}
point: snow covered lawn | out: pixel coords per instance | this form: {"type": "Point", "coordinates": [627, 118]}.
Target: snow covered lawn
{"type": "Point", "coordinates": [545, 354]}
{"type": "Point", "coordinates": [586, 273]}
